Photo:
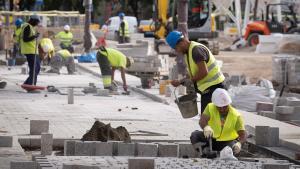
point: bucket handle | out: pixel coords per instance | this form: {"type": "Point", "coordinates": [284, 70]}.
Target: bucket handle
{"type": "Point", "coordinates": [176, 95]}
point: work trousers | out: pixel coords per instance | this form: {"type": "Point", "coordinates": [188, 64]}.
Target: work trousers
{"type": "Point", "coordinates": [57, 62]}
{"type": "Point", "coordinates": [198, 137]}
{"type": "Point", "coordinates": [207, 94]}
{"type": "Point", "coordinates": [33, 75]}
{"type": "Point", "coordinates": [124, 39]}
{"type": "Point", "coordinates": [106, 70]}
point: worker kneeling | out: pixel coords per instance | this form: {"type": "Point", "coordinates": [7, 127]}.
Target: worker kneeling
{"type": "Point", "coordinates": [109, 60]}
{"type": "Point", "coordinates": [220, 122]}
{"type": "Point", "coordinates": [62, 58]}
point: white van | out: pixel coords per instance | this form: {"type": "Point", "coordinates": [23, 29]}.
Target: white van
{"type": "Point", "coordinates": [114, 23]}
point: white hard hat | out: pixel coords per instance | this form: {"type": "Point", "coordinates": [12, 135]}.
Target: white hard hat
{"type": "Point", "coordinates": [221, 98]}
{"type": "Point", "coordinates": [46, 48]}
{"type": "Point", "coordinates": [67, 27]}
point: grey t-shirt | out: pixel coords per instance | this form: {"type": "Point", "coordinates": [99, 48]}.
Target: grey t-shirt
{"type": "Point", "coordinates": [200, 54]}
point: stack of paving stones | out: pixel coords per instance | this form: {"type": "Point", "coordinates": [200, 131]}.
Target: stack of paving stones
{"type": "Point", "coordinates": [99, 162]}
{"type": "Point", "coordinates": [267, 136]}
{"type": "Point", "coordinates": [286, 109]}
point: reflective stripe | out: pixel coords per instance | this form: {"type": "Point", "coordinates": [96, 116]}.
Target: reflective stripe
{"type": "Point", "coordinates": [213, 65]}
{"type": "Point", "coordinates": [219, 74]}
{"type": "Point", "coordinates": [106, 81]}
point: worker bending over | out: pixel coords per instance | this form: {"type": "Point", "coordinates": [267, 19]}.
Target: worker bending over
{"type": "Point", "coordinates": [204, 73]}
{"type": "Point", "coordinates": [222, 123]}
{"type": "Point", "coordinates": [109, 60]}
{"type": "Point", "coordinates": [62, 58]}
{"type": "Point", "coordinates": [66, 39]}
{"type": "Point", "coordinates": [46, 49]}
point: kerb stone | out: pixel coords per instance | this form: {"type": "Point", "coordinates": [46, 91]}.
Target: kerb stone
{"type": "Point", "coordinates": [146, 150]}
{"type": "Point", "coordinates": [22, 165]}
{"type": "Point", "coordinates": [46, 143]}
{"type": "Point", "coordinates": [167, 150]}
{"type": "Point", "coordinates": [139, 163]}
{"type": "Point", "coordinates": [6, 141]}
{"type": "Point", "coordinates": [126, 149]}
{"type": "Point", "coordinates": [38, 127]}
{"type": "Point", "coordinates": [104, 149]}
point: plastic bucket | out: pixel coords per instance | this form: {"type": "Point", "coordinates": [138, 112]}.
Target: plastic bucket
{"type": "Point", "coordinates": [187, 105]}
{"type": "Point", "coordinates": [11, 62]}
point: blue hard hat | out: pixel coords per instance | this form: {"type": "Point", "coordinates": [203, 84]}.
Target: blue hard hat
{"type": "Point", "coordinates": [19, 22]}
{"type": "Point", "coordinates": [173, 38]}
{"type": "Point", "coordinates": [121, 14]}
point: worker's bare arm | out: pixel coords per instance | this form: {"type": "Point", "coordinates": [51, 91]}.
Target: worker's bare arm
{"type": "Point", "coordinates": [203, 120]}
{"type": "Point", "coordinates": [242, 136]}
{"type": "Point", "coordinates": [202, 71]}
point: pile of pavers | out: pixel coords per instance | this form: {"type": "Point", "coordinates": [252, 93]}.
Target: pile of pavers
{"type": "Point", "coordinates": [286, 109]}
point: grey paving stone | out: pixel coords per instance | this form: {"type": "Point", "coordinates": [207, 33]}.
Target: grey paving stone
{"type": "Point", "coordinates": [104, 148]}
{"type": "Point", "coordinates": [146, 150]}
{"type": "Point", "coordinates": [269, 114]}
{"type": "Point", "coordinates": [126, 149]}
{"type": "Point", "coordinates": [38, 127]}
{"type": "Point", "coordinates": [168, 150]}
{"type": "Point", "coordinates": [293, 101]}
{"type": "Point", "coordinates": [284, 110]}
{"type": "Point", "coordinates": [6, 141]}
{"type": "Point", "coordinates": [261, 133]}
{"type": "Point", "coordinates": [275, 166]}
{"type": "Point", "coordinates": [141, 163]}
{"type": "Point", "coordinates": [264, 106]}
{"type": "Point", "coordinates": [46, 143]}
{"type": "Point", "coordinates": [22, 165]}
{"type": "Point", "coordinates": [86, 148]}
{"type": "Point", "coordinates": [69, 147]}
{"type": "Point", "coordinates": [187, 150]}
{"type": "Point", "coordinates": [273, 137]}
{"type": "Point", "coordinates": [75, 166]}
{"type": "Point", "coordinates": [115, 147]}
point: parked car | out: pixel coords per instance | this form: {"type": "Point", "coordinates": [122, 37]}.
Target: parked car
{"type": "Point", "coordinates": [113, 24]}
{"type": "Point", "coordinates": [146, 26]}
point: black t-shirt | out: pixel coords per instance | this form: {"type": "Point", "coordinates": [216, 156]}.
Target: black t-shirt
{"type": "Point", "coordinates": [200, 54]}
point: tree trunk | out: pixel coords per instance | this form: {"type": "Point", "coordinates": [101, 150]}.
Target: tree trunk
{"type": "Point", "coordinates": [87, 32]}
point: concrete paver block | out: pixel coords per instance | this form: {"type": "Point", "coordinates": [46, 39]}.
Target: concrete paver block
{"type": "Point", "coordinates": [86, 148]}
{"type": "Point", "coordinates": [168, 150]}
{"type": "Point", "coordinates": [139, 163]}
{"type": "Point", "coordinates": [69, 147]}
{"type": "Point", "coordinates": [275, 166]}
{"type": "Point", "coordinates": [284, 109]}
{"type": "Point", "coordinates": [76, 166]}
{"type": "Point", "coordinates": [146, 150]}
{"type": "Point", "coordinates": [46, 143]}
{"type": "Point", "coordinates": [186, 150]}
{"type": "Point", "coordinates": [264, 106]}
{"type": "Point", "coordinates": [6, 141]}
{"type": "Point", "coordinates": [115, 147]}
{"type": "Point", "coordinates": [267, 136]}
{"type": "Point", "coordinates": [38, 127]}
{"type": "Point", "coordinates": [104, 148]}
{"type": "Point", "coordinates": [269, 114]}
{"type": "Point", "coordinates": [293, 101]}
{"type": "Point", "coordinates": [126, 149]}
{"type": "Point", "coordinates": [22, 165]}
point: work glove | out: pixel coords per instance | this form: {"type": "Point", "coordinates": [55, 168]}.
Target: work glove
{"type": "Point", "coordinates": [186, 82]}
{"type": "Point", "coordinates": [208, 131]}
{"type": "Point", "coordinates": [236, 148]}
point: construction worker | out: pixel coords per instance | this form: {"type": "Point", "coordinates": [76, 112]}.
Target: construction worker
{"type": "Point", "coordinates": [123, 29]}
{"type": "Point", "coordinates": [109, 60]}
{"type": "Point", "coordinates": [16, 36]}
{"type": "Point", "coordinates": [204, 73]}
{"type": "Point", "coordinates": [46, 48]}
{"type": "Point", "coordinates": [66, 38]}
{"type": "Point", "coordinates": [28, 41]}
{"type": "Point", "coordinates": [220, 122]}
{"type": "Point", "coordinates": [62, 58]}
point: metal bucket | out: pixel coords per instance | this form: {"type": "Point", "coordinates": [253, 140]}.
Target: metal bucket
{"type": "Point", "coordinates": [187, 105]}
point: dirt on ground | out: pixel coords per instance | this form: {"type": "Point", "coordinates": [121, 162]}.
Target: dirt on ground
{"type": "Point", "coordinates": [246, 61]}
{"type": "Point", "coordinates": [104, 132]}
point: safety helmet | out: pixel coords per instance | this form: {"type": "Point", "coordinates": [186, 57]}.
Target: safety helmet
{"type": "Point", "coordinates": [46, 48]}
{"type": "Point", "coordinates": [221, 98]}
{"type": "Point", "coordinates": [173, 38]}
{"type": "Point", "coordinates": [129, 61]}
{"type": "Point", "coordinates": [121, 14]}
{"type": "Point", "coordinates": [67, 28]}
{"type": "Point", "coordinates": [18, 22]}
{"type": "Point", "coordinates": [35, 17]}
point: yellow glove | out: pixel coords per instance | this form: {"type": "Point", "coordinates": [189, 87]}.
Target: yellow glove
{"type": "Point", "coordinates": [236, 148]}
{"type": "Point", "coordinates": [208, 131]}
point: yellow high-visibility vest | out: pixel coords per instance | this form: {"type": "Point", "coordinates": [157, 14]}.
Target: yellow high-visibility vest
{"type": "Point", "coordinates": [27, 47]}
{"type": "Point", "coordinates": [228, 132]}
{"type": "Point", "coordinates": [17, 34]}
{"type": "Point", "coordinates": [65, 38]}
{"type": "Point", "coordinates": [64, 53]}
{"type": "Point", "coordinates": [126, 29]}
{"type": "Point", "coordinates": [115, 57]}
{"type": "Point", "coordinates": [47, 41]}
{"type": "Point", "coordinates": [214, 76]}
